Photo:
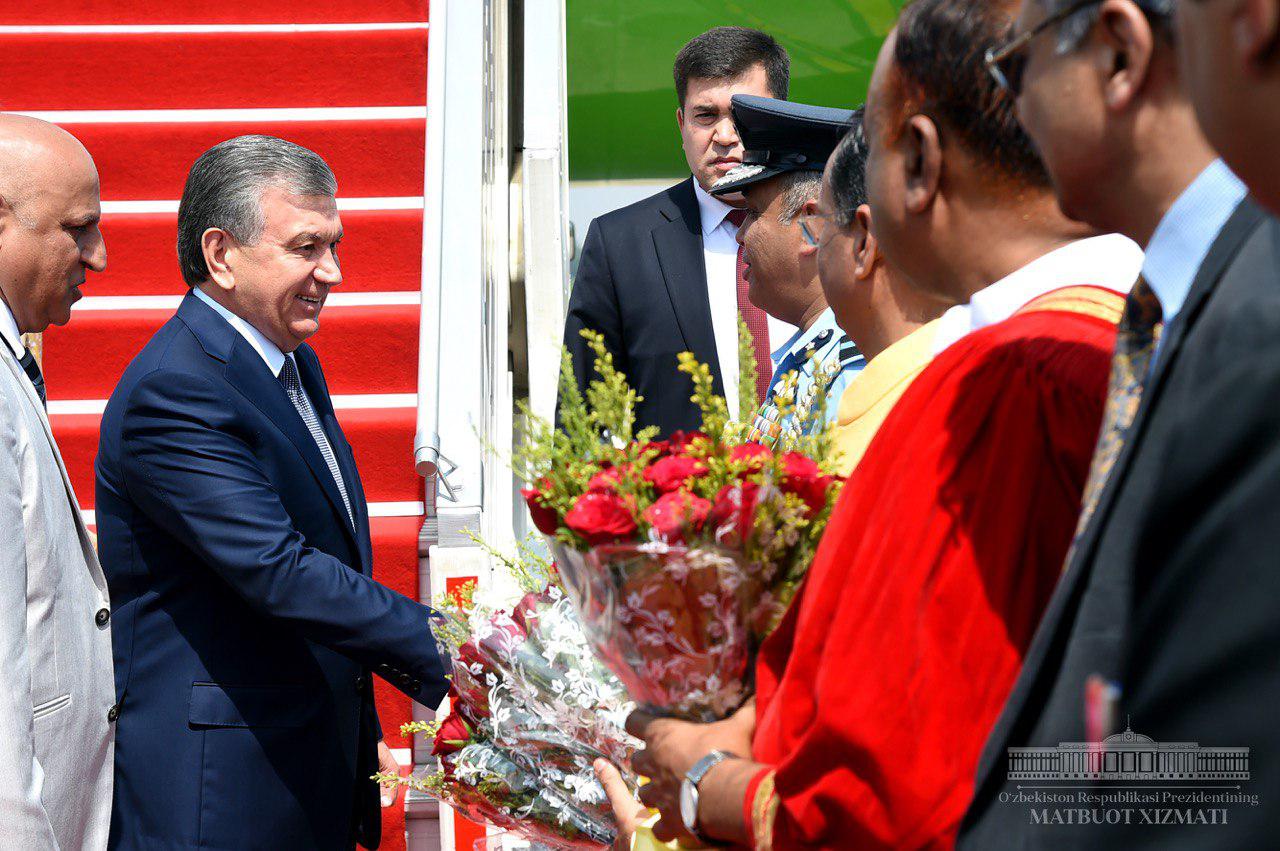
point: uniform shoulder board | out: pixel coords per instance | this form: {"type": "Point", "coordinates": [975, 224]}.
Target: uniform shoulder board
{"type": "Point", "coordinates": [849, 354]}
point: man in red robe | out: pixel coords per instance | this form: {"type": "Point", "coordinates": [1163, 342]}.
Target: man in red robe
{"type": "Point", "coordinates": [877, 692]}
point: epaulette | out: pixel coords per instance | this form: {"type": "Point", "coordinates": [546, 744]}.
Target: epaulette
{"type": "Point", "coordinates": [848, 352]}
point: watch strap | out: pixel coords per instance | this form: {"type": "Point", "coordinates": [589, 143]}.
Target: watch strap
{"type": "Point", "coordinates": [704, 765]}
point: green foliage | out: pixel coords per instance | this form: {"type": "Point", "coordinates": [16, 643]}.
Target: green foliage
{"type": "Point", "coordinates": [612, 401]}
{"type": "Point", "coordinates": [748, 373]}
{"type": "Point", "coordinates": [531, 570]}
{"type": "Point", "coordinates": [715, 412]}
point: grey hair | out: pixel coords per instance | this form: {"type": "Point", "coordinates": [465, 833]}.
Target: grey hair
{"type": "Point", "coordinates": [225, 186]}
{"type": "Point", "coordinates": [798, 187]}
{"type": "Point", "coordinates": [1072, 31]}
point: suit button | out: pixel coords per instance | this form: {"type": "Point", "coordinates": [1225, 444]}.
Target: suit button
{"type": "Point", "coordinates": [113, 713]}
{"type": "Point", "coordinates": [102, 617]}
{"type": "Point", "coordinates": [359, 682]}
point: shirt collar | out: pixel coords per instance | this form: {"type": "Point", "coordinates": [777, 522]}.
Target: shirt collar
{"type": "Point", "coordinates": [712, 209]}
{"type": "Point", "coordinates": [269, 351]}
{"type": "Point", "coordinates": [1186, 233]}
{"type": "Point", "coordinates": [826, 321]}
{"type": "Point", "coordinates": [9, 331]}
{"type": "Point", "coordinates": [1111, 261]}
{"type": "Point", "coordinates": [899, 362]}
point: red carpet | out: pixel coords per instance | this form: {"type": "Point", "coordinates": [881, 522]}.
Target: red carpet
{"type": "Point", "coordinates": [368, 349]}
{"type": "Point", "coordinates": [150, 161]}
{"type": "Point", "coordinates": [380, 252]}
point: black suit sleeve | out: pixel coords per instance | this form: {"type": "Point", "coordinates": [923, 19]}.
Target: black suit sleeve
{"type": "Point", "coordinates": [593, 304]}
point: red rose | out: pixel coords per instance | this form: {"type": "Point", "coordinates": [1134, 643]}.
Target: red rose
{"type": "Point", "coordinates": [734, 512]}
{"type": "Point", "coordinates": [680, 441]}
{"type": "Point", "coordinates": [525, 609]}
{"type": "Point", "coordinates": [754, 454]}
{"type": "Point", "coordinates": [601, 518]}
{"type": "Point", "coordinates": [605, 480]}
{"type": "Point", "coordinates": [544, 517]}
{"type": "Point", "coordinates": [656, 448]}
{"type": "Point", "coordinates": [453, 736]}
{"type": "Point", "coordinates": [802, 477]}
{"type": "Point", "coordinates": [470, 654]}
{"type": "Point", "coordinates": [676, 514]}
{"type": "Point", "coordinates": [673, 472]}
{"type": "Point", "coordinates": [506, 626]}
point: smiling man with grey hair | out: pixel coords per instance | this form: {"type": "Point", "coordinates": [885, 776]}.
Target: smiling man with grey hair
{"type": "Point", "coordinates": [235, 537]}
{"type": "Point", "coordinates": [1166, 610]}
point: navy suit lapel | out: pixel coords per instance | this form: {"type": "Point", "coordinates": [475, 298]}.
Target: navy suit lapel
{"type": "Point", "coordinates": [248, 374]}
{"type": "Point", "coordinates": [245, 370]}
{"type": "Point", "coordinates": [318, 392]}
{"type": "Point", "coordinates": [1066, 599]}
{"type": "Point", "coordinates": [678, 242]}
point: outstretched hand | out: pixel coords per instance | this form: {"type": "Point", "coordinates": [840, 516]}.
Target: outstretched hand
{"type": "Point", "coordinates": [628, 812]}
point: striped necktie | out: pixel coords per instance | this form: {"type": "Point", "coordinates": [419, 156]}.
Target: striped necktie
{"type": "Point", "coordinates": [32, 369]}
{"type": "Point", "coordinates": [1136, 342]}
{"type": "Point", "coordinates": [757, 320]}
{"type": "Point", "coordinates": [293, 389]}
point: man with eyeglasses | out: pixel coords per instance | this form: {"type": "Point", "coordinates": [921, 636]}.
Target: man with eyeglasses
{"type": "Point", "coordinates": [1166, 613]}
{"type": "Point", "coordinates": [786, 148]}
{"type": "Point", "coordinates": [876, 694]}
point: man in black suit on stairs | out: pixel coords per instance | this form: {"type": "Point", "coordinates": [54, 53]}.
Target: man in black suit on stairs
{"type": "Point", "coordinates": [662, 276]}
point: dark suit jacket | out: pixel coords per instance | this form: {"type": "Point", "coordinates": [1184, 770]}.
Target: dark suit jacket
{"type": "Point", "coordinates": [244, 616]}
{"type": "Point", "coordinates": [642, 283]}
{"type": "Point", "coordinates": [1174, 590]}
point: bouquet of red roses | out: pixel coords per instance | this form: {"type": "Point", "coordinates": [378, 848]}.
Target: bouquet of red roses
{"type": "Point", "coordinates": [681, 554]}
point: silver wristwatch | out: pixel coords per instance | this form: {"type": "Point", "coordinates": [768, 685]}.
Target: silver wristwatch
{"type": "Point", "coordinates": [689, 791]}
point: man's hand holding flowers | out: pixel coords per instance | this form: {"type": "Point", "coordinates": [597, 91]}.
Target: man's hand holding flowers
{"type": "Point", "coordinates": [672, 747]}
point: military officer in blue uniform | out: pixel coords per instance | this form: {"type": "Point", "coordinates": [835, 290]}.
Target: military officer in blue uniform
{"type": "Point", "coordinates": [786, 148]}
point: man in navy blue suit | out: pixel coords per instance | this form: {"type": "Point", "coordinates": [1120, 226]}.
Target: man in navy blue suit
{"type": "Point", "coordinates": [235, 538]}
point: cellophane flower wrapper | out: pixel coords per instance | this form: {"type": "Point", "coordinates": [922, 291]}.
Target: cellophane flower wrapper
{"type": "Point", "coordinates": [488, 783]}
{"type": "Point", "coordinates": [670, 623]}
{"type": "Point", "coordinates": [539, 710]}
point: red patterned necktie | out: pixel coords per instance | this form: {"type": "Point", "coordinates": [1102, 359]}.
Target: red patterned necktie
{"type": "Point", "coordinates": [757, 320]}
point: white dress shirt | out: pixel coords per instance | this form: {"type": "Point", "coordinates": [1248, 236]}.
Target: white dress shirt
{"type": "Point", "coordinates": [1111, 261]}
{"type": "Point", "coordinates": [269, 351]}
{"type": "Point", "coordinates": [274, 359]}
{"type": "Point", "coordinates": [720, 255]}
{"type": "Point", "coordinates": [9, 331]}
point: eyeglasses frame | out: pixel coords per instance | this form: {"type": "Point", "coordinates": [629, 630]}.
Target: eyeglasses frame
{"type": "Point", "coordinates": [994, 58]}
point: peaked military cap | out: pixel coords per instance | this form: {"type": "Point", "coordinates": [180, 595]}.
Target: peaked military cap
{"type": "Point", "coordinates": [780, 136]}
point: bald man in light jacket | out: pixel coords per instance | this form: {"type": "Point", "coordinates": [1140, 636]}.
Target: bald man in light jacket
{"type": "Point", "coordinates": [56, 690]}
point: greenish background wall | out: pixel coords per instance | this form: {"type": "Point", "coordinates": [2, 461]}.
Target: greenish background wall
{"type": "Point", "coordinates": [621, 98]}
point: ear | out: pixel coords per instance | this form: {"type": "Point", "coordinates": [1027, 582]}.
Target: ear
{"type": "Point", "coordinates": [922, 159]}
{"type": "Point", "coordinates": [866, 251]}
{"type": "Point", "coordinates": [1255, 29]}
{"type": "Point", "coordinates": [808, 208]}
{"type": "Point", "coordinates": [1130, 46]}
{"type": "Point", "coordinates": [219, 247]}
{"type": "Point", "coordinates": [680, 117]}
